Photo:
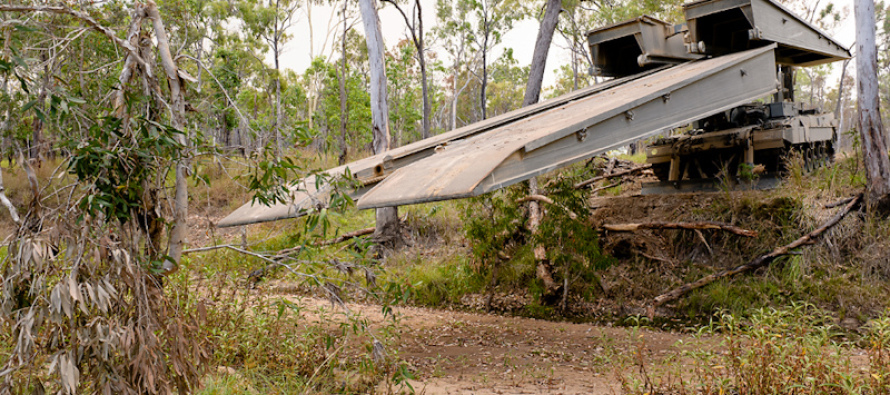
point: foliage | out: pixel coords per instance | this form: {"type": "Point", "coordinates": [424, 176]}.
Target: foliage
{"type": "Point", "coordinates": [497, 227]}
{"type": "Point", "coordinates": [119, 163]}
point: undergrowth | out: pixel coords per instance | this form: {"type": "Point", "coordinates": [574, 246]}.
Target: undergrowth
{"type": "Point", "coordinates": [796, 350]}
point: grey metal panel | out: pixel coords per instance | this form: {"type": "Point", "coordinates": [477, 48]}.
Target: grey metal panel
{"type": "Point", "coordinates": [772, 22]}
{"type": "Point", "coordinates": [698, 9]}
{"type": "Point", "coordinates": [656, 41]}
{"type": "Point", "coordinates": [305, 194]}
{"type": "Point", "coordinates": [645, 90]}
{"type": "Point", "coordinates": [778, 24]}
{"type": "Point", "coordinates": [611, 118]}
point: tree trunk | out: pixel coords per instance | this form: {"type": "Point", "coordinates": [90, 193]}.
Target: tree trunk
{"type": "Point", "coordinates": [871, 128]}
{"type": "Point", "coordinates": [177, 102]}
{"type": "Point", "coordinates": [344, 113]}
{"type": "Point", "coordinates": [427, 107]}
{"type": "Point", "coordinates": [482, 98]}
{"type": "Point", "coordinates": [544, 269]}
{"type": "Point", "coordinates": [387, 218]}
{"type": "Point", "coordinates": [542, 48]}
{"type": "Point", "coordinates": [275, 39]}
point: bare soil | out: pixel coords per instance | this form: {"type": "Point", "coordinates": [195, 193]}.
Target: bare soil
{"type": "Point", "coordinates": [454, 352]}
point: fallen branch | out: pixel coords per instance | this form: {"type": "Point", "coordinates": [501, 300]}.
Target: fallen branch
{"type": "Point", "coordinates": [762, 260]}
{"type": "Point", "coordinates": [583, 184]}
{"type": "Point", "coordinates": [680, 225]}
{"type": "Point", "coordinates": [595, 190]}
{"type": "Point", "coordinates": [840, 203]}
{"type": "Point", "coordinates": [545, 199]}
{"type": "Point", "coordinates": [340, 239]}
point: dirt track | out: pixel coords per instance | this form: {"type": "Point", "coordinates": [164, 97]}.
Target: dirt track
{"type": "Point", "coordinates": [464, 353]}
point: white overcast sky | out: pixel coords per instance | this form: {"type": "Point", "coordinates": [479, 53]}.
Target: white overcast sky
{"type": "Point", "coordinates": [521, 38]}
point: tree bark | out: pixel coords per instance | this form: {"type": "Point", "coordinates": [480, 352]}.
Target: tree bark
{"type": "Point", "coordinates": [421, 57]}
{"type": "Point", "coordinates": [871, 128]}
{"type": "Point", "coordinates": [179, 232]}
{"type": "Point", "coordinates": [344, 112]}
{"type": "Point", "coordinates": [387, 232]}
{"type": "Point", "coordinates": [680, 225]}
{"type": "Point", "coordinates": [275, 51]}
{"type": "Point", "coordinates": [482, 97]}
{"type": "Point", "coordinates": [760, 261]}
{"type": "Point", "coordinates": [543, 270]}
{"type": "Point", "coordinates": [542, 48]}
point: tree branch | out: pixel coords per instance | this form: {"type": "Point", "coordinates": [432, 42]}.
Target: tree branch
{"type": "Point", "coordinates": [680, 225]}
{"type": "Point", "coordinates": [62, 10]}
{"type": "Point", "coordinates": [762, 260]}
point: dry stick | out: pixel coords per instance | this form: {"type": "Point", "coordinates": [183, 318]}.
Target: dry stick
{"type": "Point", "coordinates": [340, 239]}
{"type": "Point", "coordinates": [545, 199]}
{"type": "Point", "coordinates": [583, 184]}
{"type": "Point", "coordinates": [762, 260]}
{"type": "Point", "coordinates": [680, 225]}
{"type": "Point", "coordinates": [595, 190]}
{"type": "Point", "coordinates": [840, 203]}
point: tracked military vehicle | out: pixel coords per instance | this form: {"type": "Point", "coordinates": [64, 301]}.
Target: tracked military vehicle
{"type": "Point", "coordinates": [743, 146]}
{"type": "Point", "coordinates": [703, 75]}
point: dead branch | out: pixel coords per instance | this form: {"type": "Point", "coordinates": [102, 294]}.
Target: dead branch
{"type": "Point", "coordinates": [583, 184]}
{"type": "Point", "coordinates": [339, 239]}
{"type": "Point", "coordinates": [680, 225]}
{"type": "Point", "coordinates": [595, 190]}
{"type": "Point", "coordinates": [545, 199]}
{"type": "Point", "coordinates": [840, 203]}
{"type": "Point", "coordinates": [762, 260]}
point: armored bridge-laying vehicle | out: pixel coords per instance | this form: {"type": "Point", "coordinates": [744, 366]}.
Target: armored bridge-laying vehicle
{"type": "Point", "coordinates": [745, 144]}
{"type": "Point", "coordinates": [729, 54]}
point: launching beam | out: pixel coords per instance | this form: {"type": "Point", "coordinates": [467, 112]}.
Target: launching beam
{"type": "Point", "coordinates": [519, 145]}
{"type": "Point", "coordinates": [312, 192]}
{"type": "Point", "coordinates": [580, 129]}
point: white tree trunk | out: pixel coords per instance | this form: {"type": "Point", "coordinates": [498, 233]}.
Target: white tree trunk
{"type": "Point", "coordinates": [871, 128]}
{"type": "Point", "coordinates": [387, 217]}
{"type": "Point", "coordinates": [179, 232]}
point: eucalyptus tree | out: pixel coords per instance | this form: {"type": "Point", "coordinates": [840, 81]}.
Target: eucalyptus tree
{"type": "Point", "coordinates": [387, 230]}
{"type": "Point", "coordinates": [271, 21]}
{"type": "Point", "coordinates": [871, 127]}
{"type": "Point", "coordinates": [415, 29]}
{"type": "Point", "coordinates": [490, 20]}
{"type": "Point", "coordinates": [452, 31]}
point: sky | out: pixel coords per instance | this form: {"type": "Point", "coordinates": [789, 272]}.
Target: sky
{"type": "Point", "coordinates": [521, 38]}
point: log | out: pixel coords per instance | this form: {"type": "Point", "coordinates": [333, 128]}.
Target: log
{"type": "Point", "coordinates": [762, 260]}
{"type": "Point", "coordinates": [680, 225]}
{"type": "Point", "coordinates": [622, 173]}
